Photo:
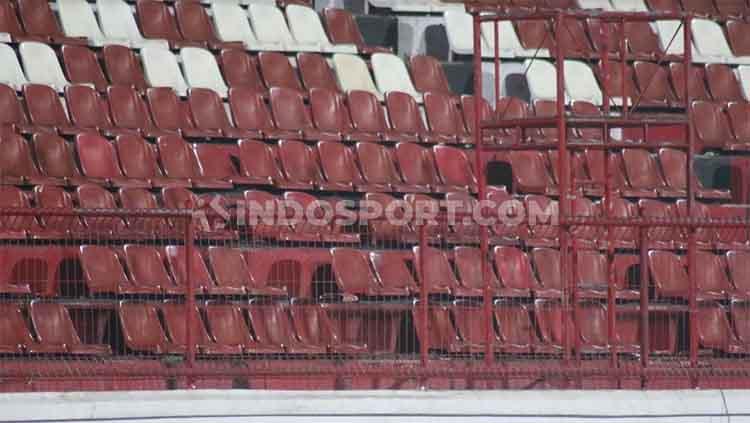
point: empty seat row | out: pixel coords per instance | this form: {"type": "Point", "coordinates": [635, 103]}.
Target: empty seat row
{"type": "Point", "coordinates": [188, 24]}
{"type": "Point", "coordinates": [584, 38]}
{"type": "Point", "coordinates": [133, 161]}
{"type": "Point", "coordinates": [328, 117]}
{"type": "Point", "coordinates": [646, 83]}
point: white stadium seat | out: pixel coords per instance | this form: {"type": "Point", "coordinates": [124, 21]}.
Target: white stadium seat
{"type": "Point", "coordinates": [744, 74]}
{"type": "Point", "coordinates": [391, 74]}
{"type": "Point", "coordinates": [10, 72]}
{"type": "Point", "coordinates": [352, 73]}
{"type": "Point", "coordinates": [202, 71]}
{"type": "Point", "coordinates": [541, 77]}
{"type": "Point", "coordinates": [118, 23]}
{"type": "Point", "coordinates": [596, 4]}
{"type": "Point", "coordinates": [162, 70]}
{"type": "Point", "coordinates": [630, 5]}
{"type": "Point", "coordinates": [42, 66]}
{"type": "Point", "coordinates": [78, 20]}
{"type": "Point", "coordinates": [580, 83]}
{"type": "Point", "coordinates": [271, 27]}
{"type": "Point", "coordinates": [458, 28]}
{"type": "Point", "coordinates": [305, 25]}
{"type": "Point", "coordinates": [232, 25]}
{"type": "Point", "coordinates": [710, 43]}
{"type": "Point", "coordinates": [510, 45]}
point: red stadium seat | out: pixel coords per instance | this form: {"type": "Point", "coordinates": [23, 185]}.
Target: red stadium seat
{"type": "Point", "coordinates": [141, 328]}
{"type": "Point", "coordinates": [213, 226]}
{"type": "Point", "coordinates": [516, 329]}
{"type": "Point", "coordinates": [179, 162]}
{"type": "Point", "coordinates": [252, 116]}
{"type": "Point", "coordinates": [739, 118]}
{"type": "Point", "coordinates": [55, 158]}
{"type": "Point", "coordinates": [258, 163]}
{"type": "Point", "coordinates": [273, 328]}
{"type": "Point", "coordinates": [668, 274]}
{"type": "Point", "coordinates": [172, 115]}
{"type": "Point", "coordinates": [486, 113]}
{"type": "Point", "coordinates": [438, 274]}
{"type": "Point", "coordinates": [17, 166]}
{"type": "Point", "coordinates": [543, 229]}
{"type": "Point", "coordinates": [123, 67]}
{"type": "Point", "coordinates": [736, 29]}
{"type": "Point", "coordinates": [653, 81]}
{"type": "Point", "coordinates": [644, 174]}
{"type": "Point", "coordinates": [343, 29]}
{"type": "Point", "coordinates": [534, 34]}
{"type": "Point", "coordinates": [146, 269]}
{"type": "Point", "coordinates": [555, 326]}
{"type": "Point", "coordinates": [315, 327]}
{"type": "Point", "coordinates": [241, 70]}
{"type": "Point", "coordinates": [664, 5]}
{"type": "Point", "coordinates": [444, 117]}
{"type": "Point", "coordinates": [379, 170]}
{"type": "Point", "coordinates": [340, 168]}
{"type": "Point", "coordinates": [98, 159]}
{"type": "Point", "coordinates": [468, 261]}
{"type": "Point", "coordinates": [141, 199]}
{"type": "Point", "coordinates": [419, 168]}
{"type": "Point", "coordinates": [574, 40]}
{"type": "Point", "coordinates": [139, 160]}
{"type": "Point", "coordinates": [711, 125]}
{"type": "Point", "coordinates": [12, 115]}
{"type": "Point", "coordinates": [391, 269]}
{"type": "Point", "coordinates": [218, 162]}
{"type": "Point", "coordinates": [696, 79]}
{"type": "Point", "coordinates": [473, 326]}
{"type": "Point", "coordinates": [355, 277]}
{"type": "Point", "coordinates": [46, 110]}
{"type": "Point", "coordinates": [330, 114]}
{"type": "Point", "coordinates": [700, 7]}
{"type": "Point", "coordinates": [729, 238]}
{"type": "Point", "coordinates": [157, 20]}
{"type": "Point", "coordinates": [175, 322]}
{"type": "Point", "coordinates": [196, 26]}
{"type": "Point", "coordinates": [530, 172]}
{"type": "Point", "coordinates": [515, 272]}
{"type": "Point", "coordinates": [54, 329]}
{"type": "Point", "coordinates": [300, 163]}
{"type": "Point", "coordinates": [278, 72]}
{"type": "Point", "coordinates": [129, 111]}
{"type": "Point", "coordinates": [547, 264]}
{"type": "Point", "coordinates": [741, 316]}
{"type": "Point", "coordinates": [739, 269]}
{"type": "Point", "coordinates": [210, 117]}
{"type": "Point", "coordinates": [230, 269]}
{"type": "Point", "coordinates": [406, 120]}
{"type": "Point", "coordinates": [104, 273]}
{"type": "Point", "coordinates": [431, 76]}
{"type": "Point", "coordinates": [91, 196]}
{"type": "Point", "coordinates": [202, 281]}
{"type": "Point", "coordinates": [229, 328]}
{"type": "Point", "coordinates": [592, 276]}
{"type": "Point", "coordinates": [308, 229]}
{"type": "Point", "coordinates": [10, 24]}
{"type": "Point", "coordinates": [455, 168]}
{"type": "Point", "coordinates": [264, 210]}
{"type": "Point", "coordinates": [55, 197]}
{"type": "Point", "coordinates": [442, 334]}
{"type": "Point", "coordinates": [40, 22]}
{"type": "Point", "coordinates": [723, 83]}
{"type": "Point", "coordinates": [714, 331]}
{"type": "Point", "coordinates": [16, 227]}
{"type": "Point", "coordinates": [88, 110]}
{"type": "Point", "coordinates": [368, 117]}
{"type": "Point", "coordinates": [82, 66]}
{"type": "Point", "coordinates": [292, 115]}
{"type": "Point", "coordinates": [643, 40]}
{"type": "Point", "coordinates": [316, 72]}
{"type": "Point", "coordinates": [15, 337]}
{"type": "Point", "coordinates": [673, 164]}
{"type": "Point", "coordinates": [384, 230]}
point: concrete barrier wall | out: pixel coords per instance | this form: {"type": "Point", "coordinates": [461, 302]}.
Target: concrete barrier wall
{"type": "Point", "coordinates": [379, 406]}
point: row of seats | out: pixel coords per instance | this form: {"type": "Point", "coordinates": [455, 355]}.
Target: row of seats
{"type": "Point", "coordinates": [201, 69]}
{"type": "Point", "coordinates": [584, 38]}
{"type": "Point", "coordinates": [329, 116]}
{"type": "Point", "coordinates": [716, 9]}
{"type": "Point", "coordinates": [221, 329]}
{"type": "Point", "coordinates": [187, 24]}
{"type": "Point", "coordinates": [722, 83]}
{"type": "Point", "coordinates": [131, 161]}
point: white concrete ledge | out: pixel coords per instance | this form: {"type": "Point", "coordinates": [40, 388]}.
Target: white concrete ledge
{"type": "Point", "coordinates": [378, 406]}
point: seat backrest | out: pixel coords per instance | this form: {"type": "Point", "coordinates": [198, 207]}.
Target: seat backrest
{"type": "Point", "coordinates": [249, 110]}
{"type": "Point", "coordinates": [11, 111]}
{"type": "Point", "coordinates": [437, 272]}
{"type": "Point", "coordinates": [9, 22]}
{"type": "Point", "coordinates": [711, 124]}
{"type": "Point", "coordinates": [741, 319]}
{"type": "Point", "coordinates": [231, 23]}
{"type": "Point", "coordinates": [653, 82]}
{"type": "Point", "coordinates": [391, 269]}
{"type": "Point", "coordinates": [714, 331]}
{"type": "Point", "coordinates": [443, 114]}
{"type": "Point", "coordinates": [539, 77]}
{"type": "Point", "coordinates": [41, 65]}
{"type": "Point", "coordinates": [229, 266]}
{"type": "Point", "coordinates": [177, 158]}
{"type": "Point", "coordinates": [711, 272]}
{"type": "Point", "coordinates": [352, 270]}
{"type": "Point", "coordinates": [515, 325]}
{"type": "Point", "coordinates": [417, 164]}
{"type": "Point", "coordinates": [44, 106]}
{"type": "Point", "coordinates": [642, 169]}
{"type": "Point", "coordinates": [78, 20]}
{"type": "Point", "coordinates": [217, 161]}
{"type": "Point", "coordinates": [329, 111]}
{"type": "Point", "coordinates": [194, 22]}
{"type": "Point", "coordinates": [161, 68]}
{"type": "Point", "coordinates": [240, 69]}
{"type": "Point", "coordinates": [207, 110]}
{"type": "Point", "coordinates": [167, 110]}
{"type": "Point", "coordinates": [38, 18]}
{"type": "Point", "coordinates": [696, 79]}
{"type": "Point", "coordinates": [305, 25]}
{"type": "Point", "coordinates": [338, 163]}
{"type": "Point", "coordinates": [123, 67]}
{"type": "Point", "coordinates": [87, 108]}
{"type": "Point", "coordinates": [13, 330]}
{"type": "Point", "coordinates": [404, 113]}
{"type": "Point", "coordinates": [55, 156]}
{"type": "Point", "coordinates": [157, 20]}
{"type": "Point", "coordinates": [353, 74]}
{"type": "Point", "coordinates": [708, 37]}
{"type": "Point", "coordinates": [11, 72]}
{"type": "Point", "coordinates": [52, 324]}
{"type": "Point", "coordinates": [127, 108]}
{"type": "Point", "coordinates": [454, 166]}
{"type": "Point", "coordinates": [341, 26]}
{"type": "Point", "coordinates": [269, 24]}
{"type": "Point", "coordinates": [316, 72]}
{"type": "Point", "coordinates": [739, 269]}
{"type": "Point", "coordinates": [430, 75]}
{"type": "Point", "coordinates": [146, 266]}
{"type": "Point", "coordinates": [592, 324]}
{"type": "Point", "coordinates": [668, 273]}
{"type": "Point", "coordinates": [573, 37]}
{"type": "Point", "coordinates": [16, 160]}
{"type": "Point", "coordinates": [723, 83]}
{"type": "Point", "coordinates": [547, 264]}
{"type": "Point", "coordinates": [299, 162]}
{"type": "Point", "coordinates": [227, 324]}
{"type": "Point", "coordinates": [289, 110]}
{"type": "Point", "coordinates": [97, 156]}
{"type": "Point", "coordinates": [118, 22]}
{"type": "Point", "coordinates": [175, 322]}
{"type": "Point", "coordinates": [259, 160]}
{"type": "Point", "coordinates": [469, 267]}
{"type": "Point", "coordinates": [377, 163]}
{"type": "Point", "coordinates": [137, 157]}
{"type": "Point", "coordinates": [736, 30]}
{"type": "Point", "coordinates": [201, 69]}
{"type": "Point", "coordinates": [141, 328]}
{"type": "Point", "coordinates": [391, 74]}
{"type": "Point", "coordinates": [366, 112]}
{"type": "Point", "coordinates": [739, 118]}
{"type": "Point", "coordinates": [102, 269]}
{"type": "Point", "coordinates": [551, 318]}
{"type": "Point", "coordinates": [176, 257]}
{"type": "Point", "coordinates": [514, 268]}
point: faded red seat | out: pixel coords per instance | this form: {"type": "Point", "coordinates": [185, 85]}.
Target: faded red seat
{"type": "Point", "coordinates": [16, 227]}
{"type": "Point", "coordinates": [644, 174]}
{"type": "Point", "coordinates": [516, 329]}
{"type": "Point", "coordinates": [739, 118]}
{"type": "Point", "coordinates": [316, 73]}
{"type": "Point", "coordinates": [12, 115]}
{"type": "Point", "coordinates": [55, 331]}
{"type": "Point", "coordinates": [129, 111]}
{"type": "Point", "coordinates": [278, 72]}
{"type": "Point", "coordinates": [139, 160]}
{"type": "Point", "coordinates": [455, 168]}
{"type": "Point", "coordinates": [439, 275]}
{"type": "Point", "coordinates": [241, 70]}
{"type": "Point", "coordinates": [252, 116]}
{"type": "Point", "coordinates": [17, 166]}
{"type": "Point", "coordinates": [264, 211]}
{"type": "Point", "coordinates": [711, 125]}
{"type": "Point", "coordinates": [219, 162]}
{"type": "Point", "coordinates": [82, 66]}
{"type": "Point", "coordinates": [444, 117]}
{"type": "Point", "coordinates": [343, 29]}
{"type": "Point", "coordinates": [317, 228]}
{"type": "Point", "coordinates": [228, 327]}
{"type": "Point", "coordinates": [673, 164]}
{"type": "Point", "coordinates": [300, 164]}
{"type": "Point", "coordinates": [54, 197]}
{"type": "Point", "coordinates": [202, 281]}
{"type": "Point", "coordinates": [196, 26]}
{"type": "Point", "coordinates": [157, 20]}
{"type": "Point", "coordinates": [696, 79]}
{"type": "Point", "coordinates": [723, 83]}
{"type": "Point", "coordinates": [406, 119]}
{"type": "Point", "coordinates": [355, 277]}
{"type": "Point", "coordinates": [368, 118]}
{"type": "Point", "coordinates": [40, 22]}
{"type": "Point", "coordinates": [714, 331]}
{"type": "Point", "coordinates": [515, 272]}
{"type": "Point", "coordinates": [653, 81]}
{"type": "Point", "coordinates": [179, 162]}
{"type": "Point", "coordinates": [330, 114]}
{"type": "Point", "coordinates": [392, 272]}
{"type": "Point", "coordinates": [431, 76]}
{"type": "Point", "coordinates": [381, 229]}
{"type": "Point", "coordinates": [736, 28]}
{"type": "Point", "coordinates": [209, 116]}
{"type": "Point", "coordinates": [738, 263]}
{"type": "Point", "coordinates": [45, 109]}
{"type": "Point", "coordinates": [292, 115]}
{"type": "Point", "coordinates": [175, 321]}
{"type": "Point", "coordinates": [556, 327]}
{"type": "Point", "coordinates": [442, 334]}
{"type": "Point", "coordinates": [55, 158]}
{"type": "Point", "coordinates": [104, 273]}
{"type": "Point", "coordinates": [142, 199]}
{"type": "Point", "coordinates": [141, 328]}
{"type": "Point", "coordinates": [98, 159]}
{"type": "Point", "coordinates": [92, 196]}
{"type": "Point", "coordinates": [15, 337]}
{"type": "Point", "coordinates": [123, 67]}
{"type": "Point", "coordinates": [530, 172]}
{"type": "Point", "coordinates": [230, 269]}
{"type": "Point", "coordinates": [379, 171]}
{"type": "Point", "coordinates": [146, 269]}
{"type": "Point", "coordinates": [213, 226]}
{"type": "Point", "coordinates": [340, 168]}
{"type": "Point", "coordinates": [259, 163]}
{"type": "Point", "coordinates": [314, 327]}
{"type": "Point", "coordinates": [88, 110]}
{"type": "Point", "coordinates": [468, 263]}
{"type": "Point", "coordinates": [273, 328]}
{"type": "Point", "coordinates": [172, 115]}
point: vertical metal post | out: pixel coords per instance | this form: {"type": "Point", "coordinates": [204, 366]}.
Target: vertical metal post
{"type": "Point", "coordinates": [693, 305]}
{"type": "Point", "coordinates": [562, 158]}
{"type": "Point", "coordinates": [623, 69]}
{"type": "Point", "coordinates": [424, 340]}
{"type": "Point", "coordinates": [497, 62]}
{"type": "Point", "coordinates": [611, 293]}
{"type": "Point", "coordinates": [190, 300]}
{"type": "Point", "coordinates": [645, 328]}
